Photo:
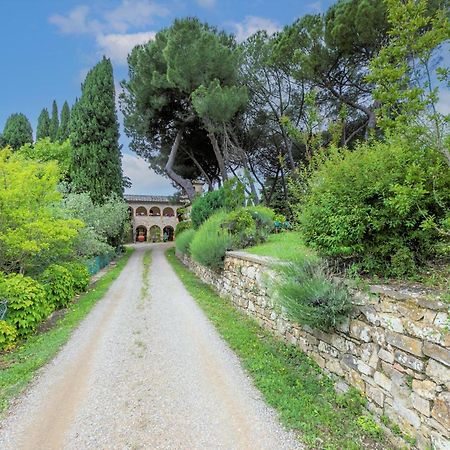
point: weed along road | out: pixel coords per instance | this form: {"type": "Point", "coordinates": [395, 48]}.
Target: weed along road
{"type": "Point", "coordinates": [144, 370]}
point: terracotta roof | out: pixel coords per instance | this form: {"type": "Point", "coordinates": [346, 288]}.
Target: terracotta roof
{"type": "Point", "coordinates": [151, 199]}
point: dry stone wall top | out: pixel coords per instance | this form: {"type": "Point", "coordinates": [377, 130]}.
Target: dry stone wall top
{"type": "Point", "coordinates": [395, 348]}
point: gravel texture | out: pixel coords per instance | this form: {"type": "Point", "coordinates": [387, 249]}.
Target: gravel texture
{"type": "Point", "coordinates": [144, 373]}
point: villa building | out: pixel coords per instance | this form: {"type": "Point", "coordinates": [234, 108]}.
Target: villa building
{"type": "Point", "coordinates": [154, 217]}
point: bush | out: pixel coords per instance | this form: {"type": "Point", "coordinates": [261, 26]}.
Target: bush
{"type": "Point", "coordinates": [80, 275]}
{"type": "Point", "coordinates": [59, 285]}
{"type": "Point", "coordinates": [311, 296]}
{"type": "Point", "coordinates": [8, 336]}
{"type": "Point", "coordinates": [184, 240]}
{"type": "Point", "coordinates": [211, 241]}
{"type": "Point", "coordinates": [230, 196]}
{"type": "Point", "coordinates": [383, 205]}
{"type": "Point", "coordinates": [27, 305]}
{"type": "Point", "coordinates": [182, 226]}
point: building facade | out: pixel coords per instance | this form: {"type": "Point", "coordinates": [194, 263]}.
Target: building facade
{"type": "Point", "coordinates": [153, 217]}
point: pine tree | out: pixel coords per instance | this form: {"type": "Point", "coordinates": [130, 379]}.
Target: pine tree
{"type": "Point", "coordinates": [63, 132]}
{"type": "Point", "coordinates": [17, 131]}
{"type": "Point", "coordinates": [94, 133]}
{"type": "Point", "coordinates": [43, 125]}
{"type": "Point", "coordinates": [54, 123]}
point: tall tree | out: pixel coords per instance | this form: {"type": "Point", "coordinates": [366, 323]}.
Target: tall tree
{"type": "Point", "coordinates": [96, 158]}
{"type": "Point", "coordinates": [64, 131]}
{"type": "Point", "coordinates": [17, 131]}
{"type": "Point", "coordinates": [43, 125]}
{"type": "Point", "coordinates": [54, 122]}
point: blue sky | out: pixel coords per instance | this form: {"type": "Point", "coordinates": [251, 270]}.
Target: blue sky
{"type": "Point", "coordinates": [49, 45]}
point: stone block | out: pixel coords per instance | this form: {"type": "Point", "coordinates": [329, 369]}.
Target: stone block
{"type": "Point", "coordinates": [355, 380]}
{"type": "Point", "coordinates": [392, 323]}
{"type": "Point", "coordinates": [382, 380]}
{"type": "Point", "coordinates": [360, 330]}
{"type": "Point", "coordinates": [441, 319]}
{"type": "Point", "coordinates": [350, 361]}
{"type": "Point", "coordinates": [437, 352]}
{"type": "Point", "coordinates": [386, 356]}
{"type": "Point", "coordinates": [408, 344]}
{"type": "Point", "coordinates": [376, 394]}
{"type": "Point", "coordinates": [439, 442]}
{"type": "Point", "coordinates": [425, 332]}
{"type": "Point", "coordinates": [328, 349]}
{"type": "Point", "coordinates": [441, 409]}
{"type": "Point", "coordinates": [409, 361]}
{"type": "Point", "coordinates": [421, 404]}
{"type": "Point", "coordinates": [334, 366]}
{"type": "Point", "coordinates": [424, 388]}
{"type": "Point", "coordinates": [438, 372]}
{"type": "Point", "coordinates": [365, 368]}
{"type": "Point", "coordinates": [318, 359]}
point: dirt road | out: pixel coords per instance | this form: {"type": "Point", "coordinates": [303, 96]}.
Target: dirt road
{"type": "Point", "coordinates": [144, 370]}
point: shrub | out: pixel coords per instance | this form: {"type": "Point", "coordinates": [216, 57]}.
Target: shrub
{"type": "Point", "coordinates": [211, 241]}
{"type": "Point", "coordinates": [182, 226]}
{"type": "Point", "coordinates": [59, 285]}
{"type": "Point", "coordinates": [311, 296]}
{"type": "Point", "coordinates": [184, 240]}
{"type": "Point", "coordinates": [8, 336]}
{"type": "Point", "coordinates": [80, 275]}
{"type": "Point", "coordinates": [230, 196]}
{"type": "Point", "coordinates": [27, 304]}
{"type": "Point", "coordinates": [383, 205]}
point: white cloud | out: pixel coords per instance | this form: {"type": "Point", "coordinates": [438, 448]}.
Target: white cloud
{"type": "Point", "coordinates": [206, 3]}
{"type": "Point", "coordinates": [144, 179]}
{"type": "Point", "coordinates": [317, 7]}
{"type": "Point", "coordinates": [443, 105]}
{"type": "Point", "coordinates": [118, 46]}
{"type": "Point", "coordinates": [251, 25]}
{"type": "Point", "coordinates": [76, 22]}
{"type": "Point", "coordinates": [133, 13]}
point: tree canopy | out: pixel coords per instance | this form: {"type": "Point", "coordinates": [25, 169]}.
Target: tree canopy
{"type": "Point", "coordinates": [17, 131]}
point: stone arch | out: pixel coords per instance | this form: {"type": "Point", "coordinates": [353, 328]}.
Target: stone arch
{"type": "Point", "coordinates": [168, 212]}
{"type": "Point", "coordinates": [141, 230]}
{"type": "Point", "coordinates": [141, 211]}
{"type": "Point", "coordinates": [168, 233]}
{"type": "Point", "coordinates": [154, 234]}
{"type": "Point", "coordinates": [154, 211]}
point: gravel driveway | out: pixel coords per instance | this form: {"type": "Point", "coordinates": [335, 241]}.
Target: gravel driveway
{"type": "Point", "coordinates": [144, 373]}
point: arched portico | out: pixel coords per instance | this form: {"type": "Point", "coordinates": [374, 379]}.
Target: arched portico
{"type": "Point", "coordinates": [168, 233]}
{"type": "Point", "coordinates": [154, 211]}
{"type": "Point", "coordinates": [155, 234]}
{"type": "Point", "coordinates": [141, 211]}
{"type": "Point", "coordinates": [168, 212]}
{"type": "Point", "coordinates": [141, 233]}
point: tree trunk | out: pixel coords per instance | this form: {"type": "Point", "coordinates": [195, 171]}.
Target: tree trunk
{"type": "Point", "coordinates": [218, 154]}
{"type": "Point", "coordinates": [178, 179]}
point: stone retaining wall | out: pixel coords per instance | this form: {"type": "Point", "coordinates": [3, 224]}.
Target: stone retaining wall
{"type": "Point", "coordinates": [395, 348]}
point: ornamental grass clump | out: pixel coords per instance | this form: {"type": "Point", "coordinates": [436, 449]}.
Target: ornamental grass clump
{"type": "Point", "coordinates": [311, 295]}
{"type": "Point", "coordinates": [183, 241]}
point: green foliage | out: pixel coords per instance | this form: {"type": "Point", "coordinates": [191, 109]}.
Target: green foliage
{"type": "Point", "coordinates": [64, 126]}
{"type": "Point", "coordinates": [80, 275]}
{"type": "Point", "coordinates": [17, 131]}
{"type": "Point", "coordinates": [59, 284]}
{"type": "Point", "coordinates": [27, 304]}
{"type": "Point", "coordinates": [33, 232]}
{"type": "Point", "coordinates": [385, 204]}
{"type": "Point", "coordinates": [311, 296]}
{"type": "Point", "coordinates": [182, 226]}
{"type": "Point", "coordinates": [211, 241]}
{"type": "Point", "coordinates": [43, 125]}
{"type": "Point", "coordinates": [96, 166]}
{"type": "Point", "coordinates": [8, 336]}
{"type": "Point", "coordinates": [230, 196]}
{"type": "Point", "coordinates": [367, 424]}
{"type": "Point", "coordinates": [44, 150]}
{"type": "Point", "coordinates": [54, 123]}
{"type": "Point", "coordinates": [184, 240]}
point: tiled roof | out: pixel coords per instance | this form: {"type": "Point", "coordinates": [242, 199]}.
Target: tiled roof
{"type": "Point", "coordinates": [150, 199]}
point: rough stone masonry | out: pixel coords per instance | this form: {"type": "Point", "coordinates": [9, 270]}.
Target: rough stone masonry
{"type": "Point", "coordinates": [395, 348]}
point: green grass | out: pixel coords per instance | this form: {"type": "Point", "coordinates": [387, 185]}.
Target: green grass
{"type": "Point", "coordinates": [286, 246]}
{"type": "Point", "coordinates": [18, 367]}
{"type": "Point", "coordinates": [289, 380]}
{"type": "Point", "coordinates": [147, 260]}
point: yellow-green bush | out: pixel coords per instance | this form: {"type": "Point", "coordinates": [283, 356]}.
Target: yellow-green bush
{"type": "Point", "coordinates": [27, 304]}
{"type": "Point", "coordinates": [80, 274]}
{"type": "Point", "coordinates": [59, 285]}
{"type": "Point", "coordinates": [8, 336]}
{"type": "Point", "coordinates": [184, 240]}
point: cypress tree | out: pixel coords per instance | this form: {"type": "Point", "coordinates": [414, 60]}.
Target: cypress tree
{"type": "Point", "coordinates": [43, 125]}
{"type": "Point", "coordinates": [17, 131]}
{"type": "Point", "coordinates": [63, 132]}
{"type": "Point", "coordinates": [54, 123]}
{"type": "Point", "coordinates": [94, 133]}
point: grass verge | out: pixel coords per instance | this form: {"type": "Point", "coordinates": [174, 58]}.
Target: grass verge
{"type": "Point", "coordinates": [286, 246]}
{"type": "Point", "coordinates": [146, 260]}
{"type": "Point", "coordinates": [289, 380]}
{"type": "Point", "coordinates": [18, 367]}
